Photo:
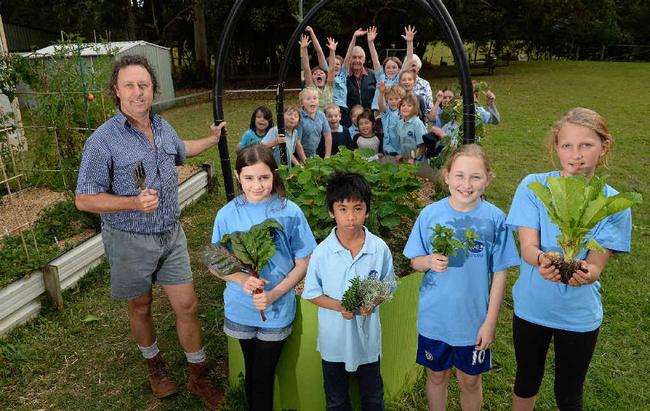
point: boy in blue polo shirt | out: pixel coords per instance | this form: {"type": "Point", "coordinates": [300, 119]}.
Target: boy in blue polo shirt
{"type": "Point", "coordinates": [349, 342]}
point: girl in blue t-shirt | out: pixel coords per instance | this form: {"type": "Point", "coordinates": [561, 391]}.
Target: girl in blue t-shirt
{"type": "Point", "coordinates": [263, 196]}
{"type": "Point", "coordinates": [409, 129]}
{"type": "Point", "coordinates": [460, 295]}
{"type": "Point", "coordinates": [261, 123]}
{"type": "Point", "coordinates": [544, 308]}
{"type": "Point", "coordinates": [389, 71]}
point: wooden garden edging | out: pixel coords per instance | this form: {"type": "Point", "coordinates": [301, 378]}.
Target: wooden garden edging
{"type": "Point", "coordinates": [20, 301]}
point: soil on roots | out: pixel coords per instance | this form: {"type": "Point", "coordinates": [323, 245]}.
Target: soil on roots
{"type": "Point", "coordinates": [566, 268]}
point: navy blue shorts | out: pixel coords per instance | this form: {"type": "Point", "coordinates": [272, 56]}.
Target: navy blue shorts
{"type": "Point", "coordinates": [439, 356]}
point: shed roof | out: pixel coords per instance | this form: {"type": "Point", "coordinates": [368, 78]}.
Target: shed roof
{"type": "Point", "coordinates": [92, 49]}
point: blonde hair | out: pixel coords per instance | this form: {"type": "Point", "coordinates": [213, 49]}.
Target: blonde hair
{"type": "Point", "coordinates": [331, 107]}
{"type": "Point", "coordinates": [395, 89]}
{"type": "Point", "coordinates": [307, 90]}
{"type": "Point", "coordinates": [583, 117]}
{"type": "Point", "coordinates": [410, 98]}
{"type": "Point", "coordinates": [469, 150]}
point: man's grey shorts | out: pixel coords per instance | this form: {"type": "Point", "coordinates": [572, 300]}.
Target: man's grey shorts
{"type": "Point", "coordinates": [139, 260]}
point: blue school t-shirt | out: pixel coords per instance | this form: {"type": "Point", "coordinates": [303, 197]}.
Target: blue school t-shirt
{"type": "Point", "coordinates": [295, 241]}
{"type": "Point", "coordinates": [389, 120]}
{"type": "Point", "coordinates": [453, 304]}
{"type": "Point", "coordinates": [558, 305]}
{"type": "Point", "coordinates": [292, 138]}
{"type": "Point", "coordinates": [340, 96]}
{"type": "Point", "coordinates": [357, 341]}
{"type": "Point", "coordinates": [249, 138]}
{"type": "Point", "coordinates": [409, 132]}
{"type": "Point", "coordinates": [312, 130]}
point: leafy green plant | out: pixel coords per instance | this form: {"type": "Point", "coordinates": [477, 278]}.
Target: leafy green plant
{"type": "Point", "coordinates": [366, 293]}
{"type": "Point", "coordinates": [393, 190]}
{"type": "Point", "coordinates": [443, 240]}
{"type": "Point", "coordinates": [255, 247]}
{"type": "Point", "coordinates": [576, 205]}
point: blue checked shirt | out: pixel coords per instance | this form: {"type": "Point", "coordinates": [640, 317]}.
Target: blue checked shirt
{"type": "Point", "coordinates": [109, 156]}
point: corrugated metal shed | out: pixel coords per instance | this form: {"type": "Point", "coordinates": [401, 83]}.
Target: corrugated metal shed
{"type": "Point", "coordinates": [159, 57]}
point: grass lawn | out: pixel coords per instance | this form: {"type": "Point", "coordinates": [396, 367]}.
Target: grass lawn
{"type": "Point", "coordinates": [61, 362]}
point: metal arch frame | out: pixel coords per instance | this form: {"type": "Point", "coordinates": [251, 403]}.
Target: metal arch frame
{"type": "Point", "coordinates": [434, 7]}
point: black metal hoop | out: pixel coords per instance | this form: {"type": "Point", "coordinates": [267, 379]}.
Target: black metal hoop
{"type": "Point", "coordinates": [435, 8]}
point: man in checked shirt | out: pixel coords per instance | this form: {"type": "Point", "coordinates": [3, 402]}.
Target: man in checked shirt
{"type": "Point", "coordinates": [141, 231]}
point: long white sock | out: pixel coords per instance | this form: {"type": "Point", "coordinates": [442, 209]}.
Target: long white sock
{"type": "Point", "coordinates": [151, 351]}
{"type": "Point", "coordinates": [195, 357]}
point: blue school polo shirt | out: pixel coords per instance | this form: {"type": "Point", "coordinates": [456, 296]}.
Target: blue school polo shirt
{"type": "Point", "coordinates": [312, 130]}
{"type": "Point", "coordinates": [389, 120]}
{"type": "Point", "coordinates": [295, 241]}
{"type": "Point", "coordinates": [357, 341]}
{"type": "Point", "coordinates": [558, 305]}
{"type": "Point", "coordinates": [453, 304]}
{"type": "Point", "coordinates": [410, 134]}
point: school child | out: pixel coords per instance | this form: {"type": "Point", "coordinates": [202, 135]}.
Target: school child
{"type": "Point", "coordinates": [340, 134]}
{"type": "Point", "coordinates": [349, 342]}
{"type": "Point", "coordinates": [313, 124]}
{"type": "Point", "coordinates": [320, 76]}
{"type": "Point", "coordinates": [261, 122]}
{"type": "Point", "coordinates": [354, 114]}
{"type": "Point", "coordinates": [544, 308]}
{"type": "Point", "coordinates": [407, 82]}
{"type": "Point", "coordinates": [263, 196]}
{"type": "Point", "coordinates": [291, 137]}
{"type": "Point", "coordinates": [387, 72]}
{"type": "Point", "coordinates": [409, 128]}
{"type": "Point", "coordinates": [460, 295]}
{"type": "Point", "coordinates": [366, 137]}
{"type": "Point", "coordinates": [389, 99]}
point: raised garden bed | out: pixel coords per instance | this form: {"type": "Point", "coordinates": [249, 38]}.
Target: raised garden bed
{"type": "Point", "coordinates": [20, 301]}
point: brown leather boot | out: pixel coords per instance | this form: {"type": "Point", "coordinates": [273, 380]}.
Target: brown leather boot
{"type": "Point", "coordinates": [200, 385]}
{"type": "Point", "coordinates": [161, 382]}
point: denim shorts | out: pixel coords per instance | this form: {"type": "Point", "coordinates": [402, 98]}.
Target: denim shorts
{"type": "Point", "coordinates": [139, 260]}
{"type": "Point", "coordinates": [439, 356]}
{"type": "Point", "coordinates": [246, 332]}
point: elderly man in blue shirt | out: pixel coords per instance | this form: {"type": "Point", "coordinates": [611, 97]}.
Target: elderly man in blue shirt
{"type": "Point", "coordinates": [128, 175]}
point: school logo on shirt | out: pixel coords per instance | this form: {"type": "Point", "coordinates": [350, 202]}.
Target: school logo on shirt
{"type": "Point", "coordinates": [478, 247]}
{"type": "Point", "coordinates": [373, 274]}
{"type": "Point", "coordinates": [410, 133]}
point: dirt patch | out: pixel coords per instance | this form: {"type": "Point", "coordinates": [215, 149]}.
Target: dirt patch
{"type": "Point", "coordinates": [20, 210]}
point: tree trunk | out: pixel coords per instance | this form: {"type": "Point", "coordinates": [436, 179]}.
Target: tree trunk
{"type": "Point", "coordinates": [131, 21]}
{"type": "Point", "coordinates": [201, 45]}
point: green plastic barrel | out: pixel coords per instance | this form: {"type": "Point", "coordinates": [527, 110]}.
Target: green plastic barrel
{"type": "Point", "coordinates": [299, 378]}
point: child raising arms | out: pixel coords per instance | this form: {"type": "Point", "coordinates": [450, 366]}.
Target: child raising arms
{"type": "Point", "coordinates": [263, 196]}
{"type": "Point", "coordinates": [460, 295]}
{"type": "Point", "coordinates": [348, 342]}
{"type": "Point", "coordinates": [261, 122]}
{"type": "Point", "coordinates": [544, 308]}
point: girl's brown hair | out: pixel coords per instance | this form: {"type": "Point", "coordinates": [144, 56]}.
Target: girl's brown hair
{"type": "Point", "coordinates": [393, 59]}
{"type": "Point", "coordinates": [583, 117]}
{"type": "Point", "coordinates": [259, 153]}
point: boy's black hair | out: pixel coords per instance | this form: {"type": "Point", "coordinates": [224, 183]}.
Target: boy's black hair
{"type": "Point", "coordinates": [344, 185]}
{"type": "Point", "coordinates": [367, 114]}
{"type": "Point", "coordinates": [267, 115]}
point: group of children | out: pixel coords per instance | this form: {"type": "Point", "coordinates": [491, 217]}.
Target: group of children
{"type": "Point", "coordinates": [460, 296]}
{"type": "Point", "coordinates": [395, 125]}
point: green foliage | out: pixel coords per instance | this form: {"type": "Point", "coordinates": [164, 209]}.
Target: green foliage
{"type": "Point", "coordinates": [54, 225]}
{"type": "Point", "coordinates": [366, 293]}
{"type": "Point", "coordinates": [352, 297]}
{"type": "Point", "coordinates": [576, 205]}
{"type": "Point", "coordinates": [393, 187]}
{"type": "Point", "coordinates": [254, 247]}
{"type": "Point", "coordinates": [443, 240]}
{"type": "Point", "coordinates": [63, 83]}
